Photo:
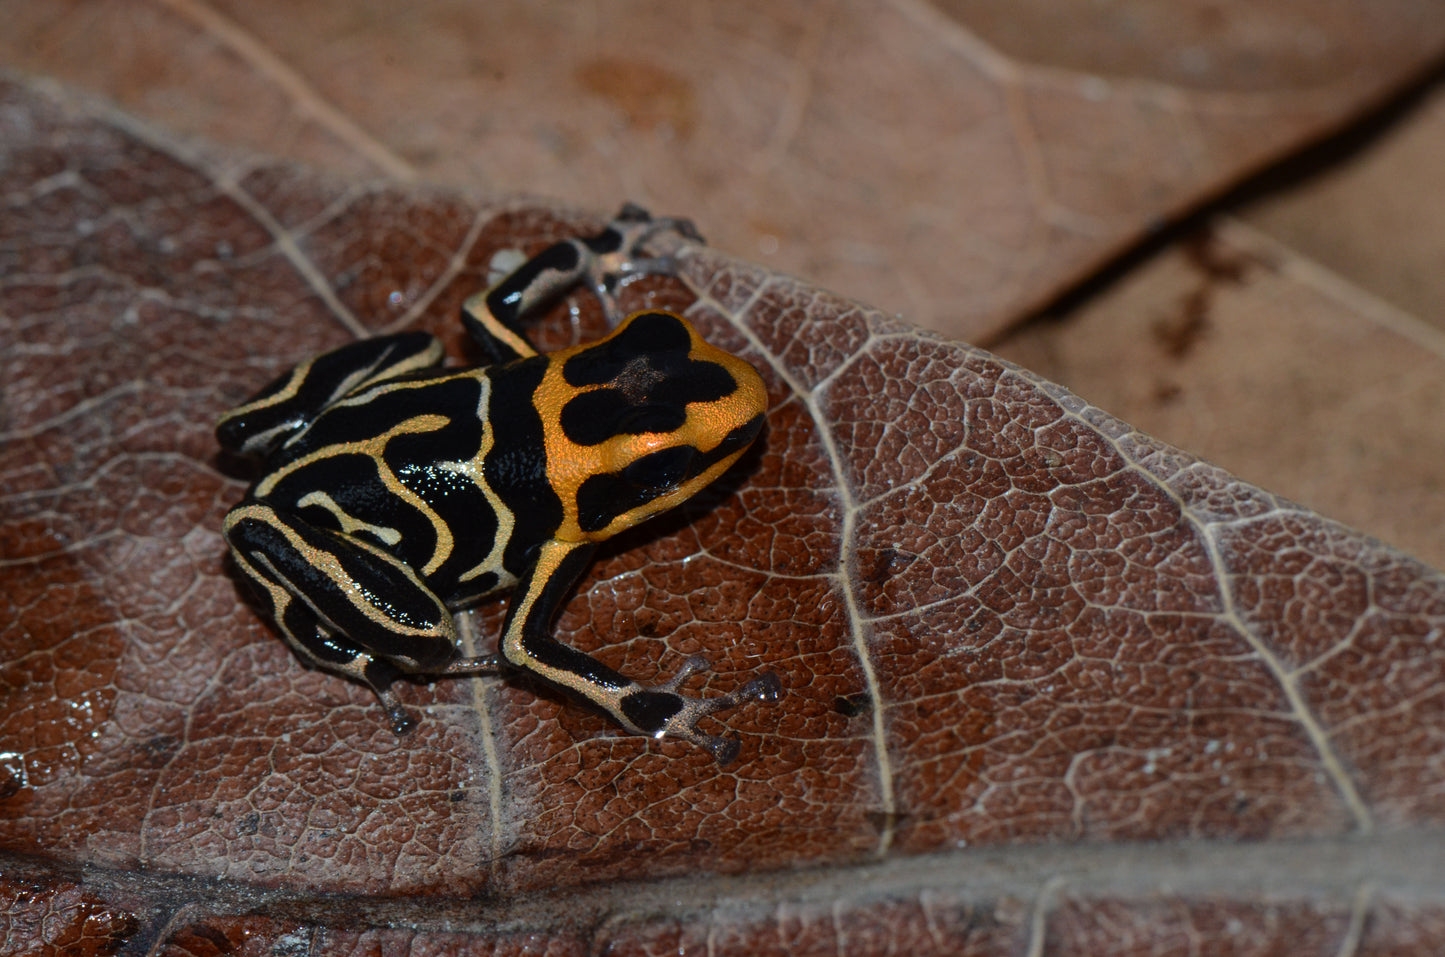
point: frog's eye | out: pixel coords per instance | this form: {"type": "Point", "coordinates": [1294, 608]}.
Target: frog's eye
{"type": "Point", "coordinates": [661, 470]}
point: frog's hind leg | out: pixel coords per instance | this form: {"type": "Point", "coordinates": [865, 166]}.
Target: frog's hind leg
{"type": "Point", "coordinates": [284, 407]}
{"type": "Point", "coordinates": [324, 650]}
{"type": "Point", "coordinates": [317, 646]}
{"type": "Point", "coordinates": [322, 586]}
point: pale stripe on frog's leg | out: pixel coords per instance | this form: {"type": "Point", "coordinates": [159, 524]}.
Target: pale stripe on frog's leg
{"type": "Point", "coordinates": [290, 401]}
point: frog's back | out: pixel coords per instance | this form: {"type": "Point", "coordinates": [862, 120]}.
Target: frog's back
{"type": "Point", "coordinates": [431, 468]}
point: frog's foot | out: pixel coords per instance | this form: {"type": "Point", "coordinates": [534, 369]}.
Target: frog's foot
{"type": "Point", "coordinates": [379, 677]}
{"type": "Point", "coordinates": [637, 226]}
{"type": "Point", "coordinates": [633, 227]}
{"type": "Point", "coordinates": [682, 722]}
{"type": "Point", "coordinates": [401, 720]}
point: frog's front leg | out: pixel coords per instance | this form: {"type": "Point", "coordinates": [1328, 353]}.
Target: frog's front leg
{"type": "Point", "coordinates": [494, 317]}
{"type": "Point", "coordinates": [345, 604]}
{"type": "Point", "coordinates": [527, 643]}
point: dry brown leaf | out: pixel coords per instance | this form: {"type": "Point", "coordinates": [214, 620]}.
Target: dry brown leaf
{"type": "Point", "coordinates": [1244, 352]}
{"type": "Point", "coordinates": [960, 161]}
{"type": "Point", "coordinates": [1373, 215]}
{"type": "Point", "coordinates": [1051, 684]}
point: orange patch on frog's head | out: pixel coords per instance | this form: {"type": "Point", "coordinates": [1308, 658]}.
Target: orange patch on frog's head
{"type": "Point", "coordinates": [642, 420]}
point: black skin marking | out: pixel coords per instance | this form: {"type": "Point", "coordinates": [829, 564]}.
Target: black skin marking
{"type": "Point", "coordinates": [603, 497]}
{"type": "Point", "coordinates": [655, 337]}
{"type": "Point", "coordinates": [594, 417]}
{"type": "Point", "coordinates": [395, 490]}
{"type": "Point", "coordinates": [536, 629]}
{"type": "Point", "coordinates": [649, 710]}
{"type": "Point", "coordinates": [516, 467]}
{"type": "Point", "coordinates": [263, 423]}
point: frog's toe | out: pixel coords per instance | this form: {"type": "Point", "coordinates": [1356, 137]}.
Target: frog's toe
{"type": "Point", "coordinates": [401, 720]}
{"type": "Point", "coordinates": [724, 750]}
{"type": "Point", "coordinates": [690, 667]}
{"type": "Point", "coordinates": [765, 687]}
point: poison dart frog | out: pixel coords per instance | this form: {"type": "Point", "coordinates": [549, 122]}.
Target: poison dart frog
{"type": "Point", "coordinates": [397, 490]}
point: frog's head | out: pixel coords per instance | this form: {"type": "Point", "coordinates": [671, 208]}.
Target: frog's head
{"type": "Point", "coordinates": [642, 420]}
